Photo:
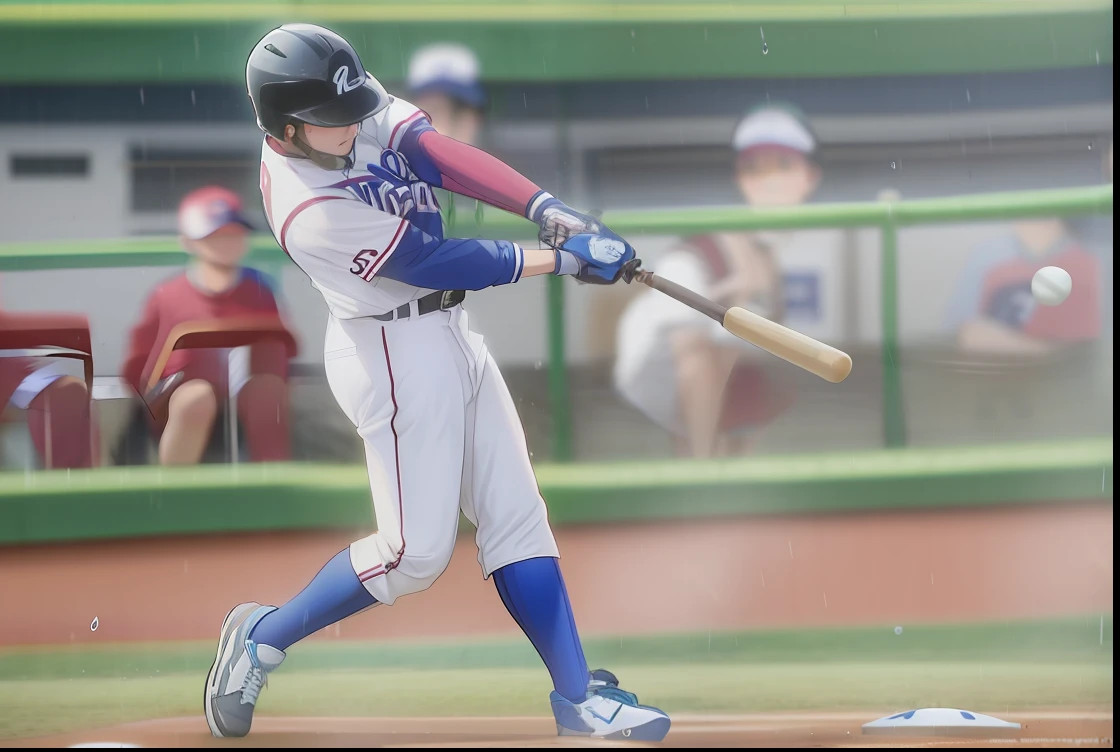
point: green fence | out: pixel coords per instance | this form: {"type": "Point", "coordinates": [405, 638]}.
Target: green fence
{"type": "Point", "coordinates": [107, 503]}
{"type": "Point", "coordinates": [887, 216]}
{"type": "Point", "coordinates": [118, 41]}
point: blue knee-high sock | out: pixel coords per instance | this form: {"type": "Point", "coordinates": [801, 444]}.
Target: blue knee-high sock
{"type": "Point", "coordinates": [334, 594]}
{"type": "Point", "coordinates": [534, 594]}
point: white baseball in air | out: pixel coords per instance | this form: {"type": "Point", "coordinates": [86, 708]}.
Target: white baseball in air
{"type": "Point", "coordinates": [1051, 285]}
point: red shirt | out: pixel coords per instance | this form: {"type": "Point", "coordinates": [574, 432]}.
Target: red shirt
{"type": "Point", "coordinates": [1006, 296]}
{"type": "Point", "coordinates": [178, 300]}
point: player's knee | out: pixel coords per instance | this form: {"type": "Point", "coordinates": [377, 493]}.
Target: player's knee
{"type": "Point", "coordinates": [423, 570]}
{"type": "Point", "coordinates": [194, 403]}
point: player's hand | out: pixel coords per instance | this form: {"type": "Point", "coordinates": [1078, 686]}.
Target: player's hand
{"type": "Point", "coordinates": [594, 259]}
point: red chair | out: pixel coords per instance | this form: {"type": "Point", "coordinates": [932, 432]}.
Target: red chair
{"type": "Point", "coordinates": [25, 337]}
{"type": "Point", "coordinates": [224, 333]}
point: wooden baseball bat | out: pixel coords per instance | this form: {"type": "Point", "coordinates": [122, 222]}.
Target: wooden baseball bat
{"type": "Point", "coordinates": [794, 347]}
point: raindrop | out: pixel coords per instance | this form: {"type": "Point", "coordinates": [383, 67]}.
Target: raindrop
{"type": "Point", "coordinates": [93, 625]}
{"type": "Point", "coordinates": [538, 365]}
{"type": "Point", "coordinates": [633, 34]}
{"type": "Point", "coordinates": [968, 95]}
{"type": "Point", "coordinates": [647, 103]}
{"type": "Point", "coordinates": [525, 100]}
{"type": "Point", "coordinates": [765, 47]}
{"type": "Point", "coordinates": [894, 165]}
{"type": "Point", "coordinates": [193, 101]}
{"type": "Point", "coordinates": [141, 95]}
{"type": "Point", "coordinates": [196, 46]}
{"type": "Point", "coordinates": [1098, 57]}
{"type": "Point", "coordinates": [876, 33]}
{"type": "Point", "coordinates": [1090, 147]}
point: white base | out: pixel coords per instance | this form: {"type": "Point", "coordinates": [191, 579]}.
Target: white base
{"type": "Point", "coordinates": [943, 722]}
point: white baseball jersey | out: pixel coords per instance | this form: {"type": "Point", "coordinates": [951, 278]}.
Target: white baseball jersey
{"type": "Point", "coordinates": [340, 227]}
{"type": "Point", "coordinates": [439, 426]}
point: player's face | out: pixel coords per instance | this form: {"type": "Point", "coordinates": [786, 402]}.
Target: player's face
{"type": "Point", "coordinates": [225, 247]}
{"type": "Point", "coordinates": [336, 141]}
{"type": "Point", "coordinates": [776, 178]}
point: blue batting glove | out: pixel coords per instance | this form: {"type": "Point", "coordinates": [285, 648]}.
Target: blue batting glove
{"type": "Point", "coordinates": [594, 259]}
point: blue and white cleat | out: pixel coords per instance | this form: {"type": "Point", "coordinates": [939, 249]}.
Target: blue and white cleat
{"type": "Point", "coordinates": [608, 713]}
{"type": "Point", "coordinates": [239, 672]}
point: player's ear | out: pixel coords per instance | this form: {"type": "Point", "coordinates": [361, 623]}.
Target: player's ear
{"type": "Point", "coordinates": [289, 132]}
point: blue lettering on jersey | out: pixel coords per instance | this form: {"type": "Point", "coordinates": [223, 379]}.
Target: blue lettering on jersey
{"type": "Point", "coordinates": [393, 188]}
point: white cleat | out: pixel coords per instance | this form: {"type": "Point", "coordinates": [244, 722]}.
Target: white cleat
{"type": "Point", "coordinates": [608, 713]}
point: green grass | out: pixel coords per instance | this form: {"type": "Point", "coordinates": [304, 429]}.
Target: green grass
{"type": "Point", "coordinates": [1056, 641]}
{"type": "Point", "coordinates": [988, 666]}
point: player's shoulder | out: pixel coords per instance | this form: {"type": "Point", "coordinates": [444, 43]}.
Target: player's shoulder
{"type": "Point", "coordinates": [386, 127]}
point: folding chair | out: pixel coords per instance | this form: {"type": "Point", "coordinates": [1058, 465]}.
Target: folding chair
{"type": "Point", "coordinates": [48, 335]}
{"type": "Point", "coordinates": [241, 331]}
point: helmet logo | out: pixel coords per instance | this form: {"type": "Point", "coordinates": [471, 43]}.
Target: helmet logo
{"type": "Point", "coordinates": [341, 82]}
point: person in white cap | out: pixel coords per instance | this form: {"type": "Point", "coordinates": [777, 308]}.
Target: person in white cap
{"type": "Point", "coordinates": [702, 387]}
{"type": "Point", "coordinates": [443, 81]}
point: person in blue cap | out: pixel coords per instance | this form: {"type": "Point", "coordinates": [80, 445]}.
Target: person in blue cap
{"type": "Point", "coordinates": [443, 81]}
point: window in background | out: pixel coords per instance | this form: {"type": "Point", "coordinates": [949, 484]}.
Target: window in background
{"type": "Point", "coordinates": [160, 178]}
{"type": "Point", "coordinates": [48, 165]}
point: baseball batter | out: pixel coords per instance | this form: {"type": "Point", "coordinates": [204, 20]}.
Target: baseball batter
{"type": "Point", "coordinates": [347, 173]}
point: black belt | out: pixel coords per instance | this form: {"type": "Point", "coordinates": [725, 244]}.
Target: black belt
{"type": "Point", "coordinates": [436, 301]}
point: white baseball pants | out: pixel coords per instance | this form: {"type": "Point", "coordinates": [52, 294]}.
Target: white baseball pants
{"type": "Point", "coordinates": [441, 433]}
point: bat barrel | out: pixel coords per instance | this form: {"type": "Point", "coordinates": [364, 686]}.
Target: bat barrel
{"type": "Point", "coordinates": [825, 361]}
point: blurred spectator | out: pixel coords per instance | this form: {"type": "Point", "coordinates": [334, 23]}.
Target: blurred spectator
{"type": "Point", "coordinates": [993, 310]}
{"type": "Point", "coordinates": [684, 370]}
{"type": "Point", "coordinates": [443, 81]}
{"type": "Point", "coordinates": [190, 413]}
{"type": "Point", "coordinates": [56, 402]}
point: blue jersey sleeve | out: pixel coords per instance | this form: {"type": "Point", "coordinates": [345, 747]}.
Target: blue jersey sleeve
{"type": "Point", "coordinates": [454, 264]}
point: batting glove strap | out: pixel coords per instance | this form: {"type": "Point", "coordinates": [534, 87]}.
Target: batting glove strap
{"type": "Point", "coordinates": [566, 263]}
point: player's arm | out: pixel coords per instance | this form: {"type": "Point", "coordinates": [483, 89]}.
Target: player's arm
{"type": "Point", "coordinates": [460, 168]}
{"type": "Point", "coordinates": [371, 244]}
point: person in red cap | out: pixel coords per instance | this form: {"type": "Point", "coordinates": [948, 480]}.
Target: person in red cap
{"type": "Point", "coordinates": [214, 232]}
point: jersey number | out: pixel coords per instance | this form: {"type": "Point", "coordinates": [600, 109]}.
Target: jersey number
{"type": "Point", "coordinates": [363, 264]}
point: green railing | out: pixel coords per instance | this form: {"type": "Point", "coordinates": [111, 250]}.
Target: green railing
{"type": "Point", "coordinates": [887, 216]}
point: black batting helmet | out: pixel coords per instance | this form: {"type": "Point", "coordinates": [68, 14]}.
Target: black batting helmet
{"type": "Point", "coordinates": [301, 73]}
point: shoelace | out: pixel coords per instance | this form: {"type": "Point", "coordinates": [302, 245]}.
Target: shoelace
{"type": "Point", "coordinates": [255, 679]}
{"type": "Point", "coordinates": [616, 694]}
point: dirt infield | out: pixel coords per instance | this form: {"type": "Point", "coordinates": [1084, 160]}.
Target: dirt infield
{"type": "Point", "coordinates": [1040, 729]}
{"type": "Point", "coordinates": [798, 571]}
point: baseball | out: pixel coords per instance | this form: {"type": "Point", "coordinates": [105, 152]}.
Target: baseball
{"type": "Point", "coordinates": [1051, 285]}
